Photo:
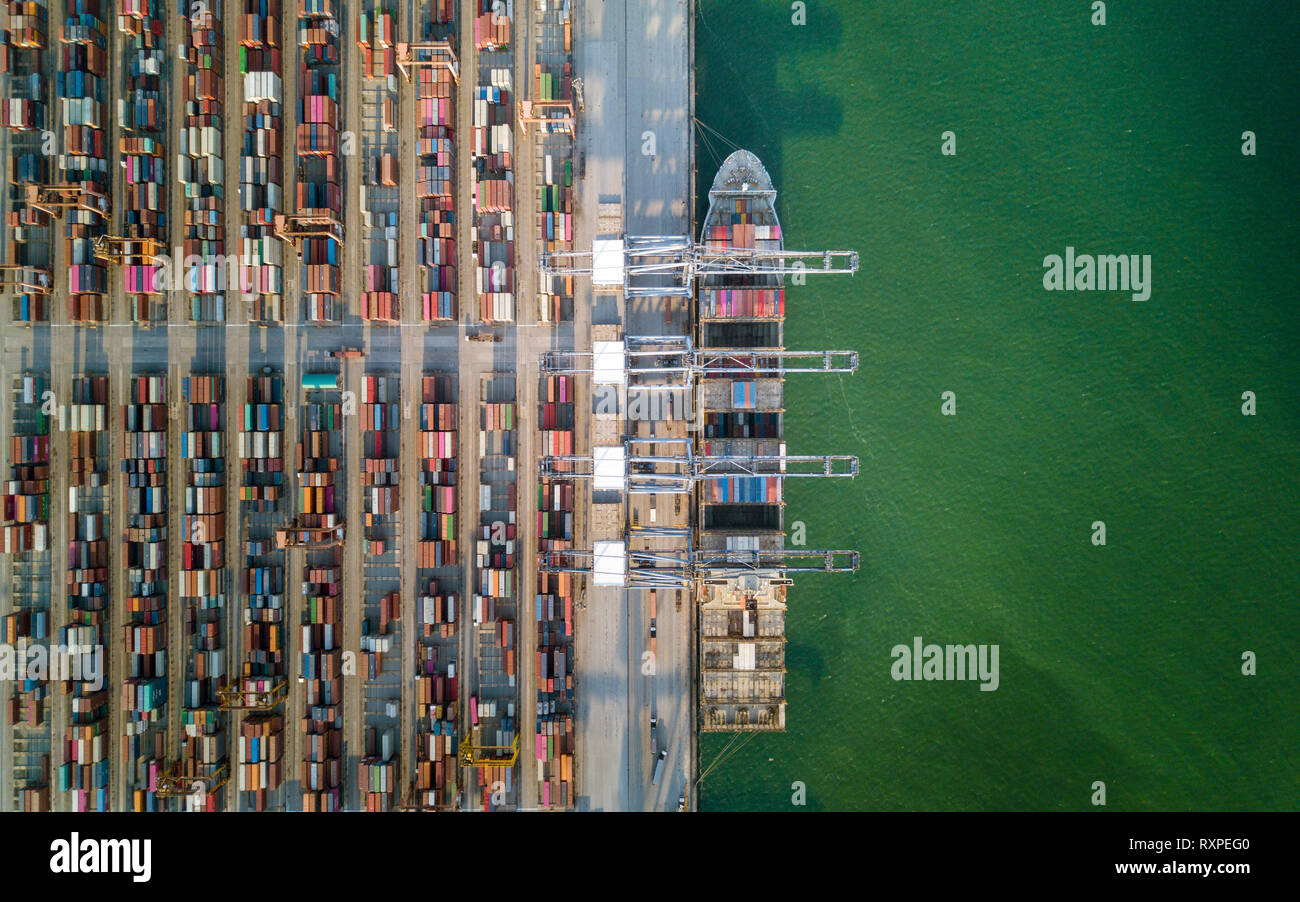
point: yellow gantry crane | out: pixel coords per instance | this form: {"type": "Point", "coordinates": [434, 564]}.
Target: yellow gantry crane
{"type": "Point", "coordinates": [115, 249]}
{"type": "Point", "coordinates": [489, 755]}
{"type": "Point", "coordinates": [293, 227]}
{"type": "Point", "coordinates": [171, 784]}
{"type": "Point", "coordinates": [232, 698]}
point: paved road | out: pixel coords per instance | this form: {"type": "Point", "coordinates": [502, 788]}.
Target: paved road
{"type": "Point", "coordinates": [636, 139]}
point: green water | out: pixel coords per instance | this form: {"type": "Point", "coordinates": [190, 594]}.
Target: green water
{"type": "Point", "coordinates": [1119, 663]}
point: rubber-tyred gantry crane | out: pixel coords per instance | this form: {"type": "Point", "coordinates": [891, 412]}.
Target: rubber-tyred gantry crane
{"type": "Point", "coordinates": [427, 55]}
{"type": "Point", "coordinates": [54, 199]}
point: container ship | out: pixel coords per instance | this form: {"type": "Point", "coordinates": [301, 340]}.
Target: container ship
{"type": "Point", "coordinates": [742, 619]}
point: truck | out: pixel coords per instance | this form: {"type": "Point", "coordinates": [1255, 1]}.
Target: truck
{"type": "Point", "coordinates": [659, 767]}
{"type": "Point", "coordinates": [348, 353]}
{"type": "Point", "coordinates": [654, 729]}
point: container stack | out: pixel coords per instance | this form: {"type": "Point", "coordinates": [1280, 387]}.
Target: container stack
{"type": "Point", "coordinates": [492, 28]}
{"type": "Point", "coordinates": [377, 771]}
{"type": "Point", "coordinates": [203, 751]}
{"type": "Point", "coordinates": [322, 669]}
{"type": "Point", "coordinates": [553, 604]}
{"type": "Point", "coordinates": [741, 231]}
{"type": "Point", "coordinates": [23, 110]}
{"type": "Point", "coordinates": [201, 167]}
{"type": "Point", "coordinates": [436, 739]}
{"type": "Point", "coordinates": [261, 163]}
{"type": "Point", "coordinates": [140, 112]}
{"type": "Point", "coordinates": [26, 537]}
{"type": "Point", "coordinates": [553, 151]}
{"type": "Point", "coordinates": [495, 692]}
{"type": "Point", "coordinates": [494, 197]}
{"type": "Point", "coordinates": [437, 442]}
{"type": "Point", "coordinates": [317, 467]}
{"type": "Point", "coordinates": [82, 89]}
{"type": "Point", "coordinates": [380, 201]}
{"type": "Point", "coordinates": [556, 206]}
{"type": "Point", "coordinates": [27, 492]}
{"type": "Point", "coordinates": [375, 36]}
{"type": "Point", "coordinates": [742, 303]}
{"type": "Point", "coordinates": [435, 189]}
{"type": "Point", "coordinates": [318, 31]}
{"type": "Point", "coordinates": [28, 29]}
{"type": "Point", "coordinates": [203, 534]}
{"type": "Point", "coordinates": [377, 637]}
{"type": "Point", "coordinates": [85, 769]}
{"type": "Point", "coordinates": [321, 630]}
{"type": "Point", "coordinates": [86, 744]}
{"type": "Point", "coordinates": [554, 752]}
{"type": "Point", "coordinates": [319, 186]}
{"type": "Point", "coordinates": [261, 746]}
{"type": "Point", "coordinates": [260, 434]}
{"type": "Point", "coordinates": [381, 447]}
{"type": "Point", "coordinates": [262, 584]}
{"type": "Point", "coordinates": [379, 296]}
{"type": "Point", "coordinates": [495, 542]}
{"type": "Point", "coordinates": [144, 691]}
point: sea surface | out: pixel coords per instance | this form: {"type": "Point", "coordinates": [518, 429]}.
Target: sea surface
{"type": "Point", "coordinates": [1119, 663]}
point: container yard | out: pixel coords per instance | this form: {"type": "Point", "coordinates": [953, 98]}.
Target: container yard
{"type": "Point", "coordinates": [250, 463]}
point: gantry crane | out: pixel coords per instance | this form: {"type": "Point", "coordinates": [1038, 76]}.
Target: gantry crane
{"type": "Point", "coordinates": [25, 278]}
{"type": "Point", "coordinates": [293, 227]}
{"type": "Point", "coordinates": [682, 260]}
{"type": "Point", "coordinates": [489, 755]}
{"type": "Point", "coordinates": [309, 536]}
{"type": "Point", "coordinates": [551, 112]}
{"type": "Point", "coordinates": [672, 357]}
{"type": "Point", "coordinates": [409, 802]}
{"type": "Point", "coordinates": [428, 55]}
{"type": "Point", "coordinates": [647, 569]}
{"type": "Point", "coordinates": [231, 698]}
{"type": "Point", "coordinates": [643, 473]}
{"type": "Point", "coordinates": [54, 199]}
{"type": "Point", "coordinates": [115, 249]}
{"type": "Point", "coordinates": [171, 784]}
